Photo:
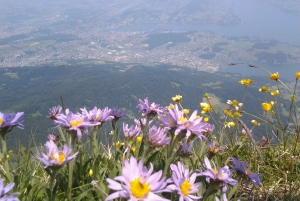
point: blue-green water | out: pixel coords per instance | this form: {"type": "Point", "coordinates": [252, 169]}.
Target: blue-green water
{"type": "Point", "coordinates": [257, 19]}
{"type": "Point", "coordinates": [286, 71]}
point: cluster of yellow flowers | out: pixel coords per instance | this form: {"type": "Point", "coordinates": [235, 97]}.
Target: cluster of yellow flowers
{"type": "Point", "coordinates": [245, 82]}
{"type": "Point", "coordinates": [266, 106]}
{"type": "Point", "coordinates": [206, 107]}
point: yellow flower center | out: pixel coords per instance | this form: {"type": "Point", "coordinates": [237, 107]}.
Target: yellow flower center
{"type": "Point", "coordinates": [60, 158]}
{"type": "Point", "coordinates": [170, 122]}
{"type": "Point", "coordinates": [182, 119]}
{"type": "Point", "coordinates": [248, 171]}
{"type": "Point", "coordinates": [138, 189]}
{"type": "Point", "coordinates": [185, 187]}
{"type": "Point", "coordinates": [1, 121]}
{"type": "Point", "coordinates": [214, 150]}
{"type": "Point", "coordinates": [187, 125]}
{"type": "Point", "coordinates": [215, 171]}
{"type": "Point", "coordinates": [76, 122]}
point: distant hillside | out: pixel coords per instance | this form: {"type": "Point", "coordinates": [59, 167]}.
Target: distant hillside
{"type": "Point", "coordinates": [34, 90]}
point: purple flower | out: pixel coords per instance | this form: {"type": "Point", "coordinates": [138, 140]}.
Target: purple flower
{"type": "Point", "coordinates": [54, 111]}
{"type": "Point", "coordinates": [149, 110]}
{"type": "Point", "coordinates": [74, 122]}
{"type": "Point", "coordinates": [132, 132]}
{"type": "Point", "coordinates": [170, 118]}
{"type": "Point", "coordinates": [213, 149]}
{"type": "Point", "coordinates": [193, 125]}
{"type": "Point", "coordinates": [118, 113]}
{"type": "Point", "coordinates": [143, 121]}
{"type": "Point", "coordinates": [5, 189]}
{"type": "Point", "coordinates": [243, 132]}
{"type": "Point", "coordinates": [10, 120]}
{"type": "Point", "coordinates": [98, 115]}
{"type": "Point", "coordinates": [185, 150]}
{"type": "Point", "coordinates": [241, 169]}
{"type": "Point", "coordinates": [55, 158]}
{"type": "Point", "coordinates": [137, 183]}
{"type": "Point", "coordinates": [264, 142]}
{"type": "Point", "coordinates": [208, 128]}
{"type": "Point", "coordinates": [220, 175]}
{"type": "Point", "coordinates": [54, 138]}
{"type": "Point", "coordinates": [157, 137]}
{"type": "Point", "coordinates": [184, 182]}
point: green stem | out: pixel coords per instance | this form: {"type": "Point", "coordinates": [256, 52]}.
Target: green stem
{"type": "Point", "coordinates": [52, 179]}
{"type": "Point", "coordinates": [245, 93]}
{"type": "Point", "coordinates": [62, 136]}
{"type": "Point", "coordinates": [4, 151]}
{"type": "Point", "coordinates": [148, 149]}
{"type": "Point", "coordinates": [95, 142]}
{"type": "Point", "coordinates": [73, 136]}
{"type": "Point", "coordinates": [167, 165]}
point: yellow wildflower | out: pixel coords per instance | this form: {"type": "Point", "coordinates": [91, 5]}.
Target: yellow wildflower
{"type": "Point", "coordinates": [186, 111]}
{"type": "Point", "coordinates": [139, 139]}
{"type": "Point", "coordinates": [10, 151]}
{"type": "Point", "coordinates": [268, 106]}
{"type": "Point", "coordinates": [91, 172]}
{"type": "Point", "coordinates": [255, 123]}
{"type": "Point", "coordinates": [205, 95]}
{"type": "Point", "coordinates": [264, 89]}
{"type": "Point", "coordinates": [297, 75]}
{"type": "Point", "coordinates": [206, 119]}
{"type": "Point", "coordinates": [227, 112]}
{"type": "Point", "coordinates": [118, 144]}
{"type": "Point", "coordinates": [245, 82]}
{"type": "Point", "coordinates": [133, 149]}
{"type": "Point", "coordinates": [7, 156]}
{"type": "Point", "coordinates": [177, 98]}
{"type": "Point", "coordinates": [275, 93]}
{"type": "Point", "coordinates": [292, 96]}
{"type": "Point", "coordinates": [237, 114]}
{"type": "Point", "coordinates": [235, 103]}
{"type": "Point", "coordinates": [274, 76]}
{"type": "Point", "coordinates": [229, 124]}
{"type": "Point", "coordinates": [205, 107]}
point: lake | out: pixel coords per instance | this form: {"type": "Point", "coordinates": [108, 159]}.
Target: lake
{"type": "Point", "coordinates": [258, 19]}
{"type": "Point", "coordinates": [286, 72]}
